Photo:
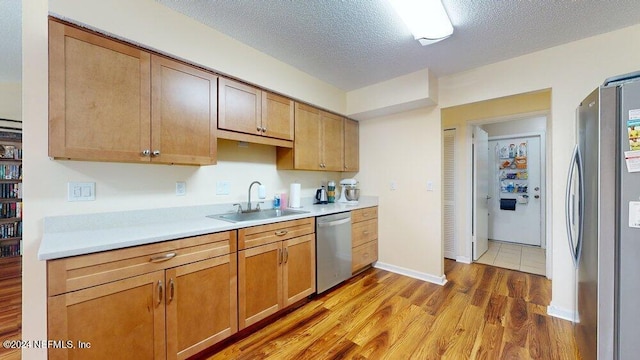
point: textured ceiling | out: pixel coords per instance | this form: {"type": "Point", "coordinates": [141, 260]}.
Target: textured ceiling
{"type": "Point", "coordinates": [11, 41]}
{"type": "Point", "coordinates": [354, 43]}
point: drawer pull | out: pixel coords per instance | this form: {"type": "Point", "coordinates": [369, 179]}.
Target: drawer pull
{"type": "Point", "coordinates": [365, 232]}
{"type": "Point", "coordinates": [286, 255]}
{"type": "Point", "coordinates": [161, 258]}
{"type": "Point", "coordinates": [171, 289]}
{"type": "Point", "coordinates": [160, 291]}
{"type": "Point", "coordinates": [282, 232]}
{"type": "Point", "coordinates": [279, 256]}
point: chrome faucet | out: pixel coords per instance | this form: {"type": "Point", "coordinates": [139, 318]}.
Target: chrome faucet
{"type": "Point", "coordinates": [249, 202]}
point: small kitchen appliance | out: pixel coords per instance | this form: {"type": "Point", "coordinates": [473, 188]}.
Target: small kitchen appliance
{"type": "Point", "coordinates": [321, 196]}
{"type": "Point", "coordinates": [349, 194]}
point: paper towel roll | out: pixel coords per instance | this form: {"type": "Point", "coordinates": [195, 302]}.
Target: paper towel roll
{"type": "Point", "coordinates": [294, 195]}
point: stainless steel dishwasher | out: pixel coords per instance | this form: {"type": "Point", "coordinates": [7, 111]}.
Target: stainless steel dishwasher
{"type": "Point", "coordinates": [333, 250]}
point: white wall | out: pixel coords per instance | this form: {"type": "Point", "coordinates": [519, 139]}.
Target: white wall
{"type": "Point", "coordinates": [536, 124]}
{"type": "Point", "coordinates": [136, 186]}
{"type": "Point", "coordinates": [405, 149]}
{"type": "Point", "coordinates": [10, 101]}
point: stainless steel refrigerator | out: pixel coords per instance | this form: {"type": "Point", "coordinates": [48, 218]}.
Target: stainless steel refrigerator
{"type": "Point", "coordinates": [603, 220]}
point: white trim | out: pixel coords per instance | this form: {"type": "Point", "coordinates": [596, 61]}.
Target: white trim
{"type": "Point", "coordinates": [438, 280]}
{"type": "Point", "coordinates": [561, 313]}
{"type": "Point", "coordinates": [463, 259]}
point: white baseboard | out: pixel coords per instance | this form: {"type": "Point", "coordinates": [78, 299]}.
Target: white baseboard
{"type": "Point", "coordinates": [561, 313]}
{"type": "Point", "coordinates": [463, 259]}
{"type": "Point", "coordinates": [438, 280]}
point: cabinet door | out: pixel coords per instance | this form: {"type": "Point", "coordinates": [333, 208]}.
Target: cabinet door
{"type": "Point", "coordinates": [99, 97]}
{"type": "Point", "coordinates": [259, 283]}
{"type": "Point", "coordinates": [120, 320]}
{"type": "Point", "coordinates": [277, 116]}
{"type": "Point", "coordinates": [201, 303]}
{"type": "Point", "coordinates": [351, 145]}
{"type": "Point", "coordinates": [183, 115]}
{"type": "Point", "coordinates": [239, 107]}
{"type": "Point", "coordinates": [307, 145]}
{"type": "Point", "coordinates": [332, 142]}
{"type": "Point", "coordinates": [299, 268]}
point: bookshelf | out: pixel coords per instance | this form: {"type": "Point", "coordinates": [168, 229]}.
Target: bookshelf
{"type": "Point", "coordinates": [10, 194]}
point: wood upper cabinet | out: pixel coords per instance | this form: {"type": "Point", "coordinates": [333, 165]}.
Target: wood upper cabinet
{"type": "Point", "coordinates": [332, 157]}
{"type": "Point", "coordinates": [277, 116]}
{"type": "Point", "coordinates": [240, 107]}
{"type": "Point", "coordinates": [183, 113]}
{"type": "Point", "coordinates": [99, 97]}
{"type": "Point", "coordinates": [165, 300]}
{"type": "Point", "coordinates": [318, 141]}
{"type": "Point", "coordinates": [247, 109]}
{"type": "Point", "coordinates": [351, 145]}
{"type": "Point", "coordinates": [276, 268]}
{"type": "Point", "coordinates": [109, 101]}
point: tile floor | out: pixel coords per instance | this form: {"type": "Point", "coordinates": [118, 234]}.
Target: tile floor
{"type": "Point", "coordinates": [512, 256]}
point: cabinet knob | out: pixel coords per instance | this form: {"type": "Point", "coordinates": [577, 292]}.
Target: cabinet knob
{"type": "Point", "coordinates": [259, 129]}
{"type": "Point", "coordinates": [264, 129]}
{"type": "Point", "coordinates": [156, 153]}
{"type": "Point", "coordinates": [146, 152]}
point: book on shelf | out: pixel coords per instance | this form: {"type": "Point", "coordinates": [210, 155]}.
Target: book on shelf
{"type": "Point", "coordinates": [11, 248]}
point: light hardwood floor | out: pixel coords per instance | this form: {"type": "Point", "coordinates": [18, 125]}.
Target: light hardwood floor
{"type": "Point", "coordinates": [483, 312]}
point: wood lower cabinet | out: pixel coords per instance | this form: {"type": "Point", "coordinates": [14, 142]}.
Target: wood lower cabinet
{"type": "Point", "coordinates": [110, 101]}
{"type": "Point", "coordinates": [276, 268]}
{"type": "Point", "coordinates": [116, 320]}
{"type": "Point", "coordinates": [364, 238]}
{"type": "Point", "coordinates": [161, 301]}
{"type": "Point", "coordinates": [201, 305]}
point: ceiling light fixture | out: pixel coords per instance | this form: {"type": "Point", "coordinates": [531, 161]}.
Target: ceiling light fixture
{"type": "Point", "coordinates": [427, 19]}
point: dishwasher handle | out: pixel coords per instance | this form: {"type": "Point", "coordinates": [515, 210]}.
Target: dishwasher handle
{"type": "Point", "coordinates": [335, 222]}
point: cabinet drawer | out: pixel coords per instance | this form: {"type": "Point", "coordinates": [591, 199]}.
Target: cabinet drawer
{"type": "Point", "coordinates": [364, 214]}
{"type": "Point", "coordinates": [79, 272]}
{"type": "Point", "coordinates": [266, 234]}
{"type": "Point", "coordinates": [363, 232]}
{"type": "Point", "coordinates": [364, 255]}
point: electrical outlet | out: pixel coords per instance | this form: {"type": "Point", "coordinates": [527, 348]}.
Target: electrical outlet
{"type": "Point", "coordinates": [222, 188]}
{"type": "Point", "coordinates": [81, 191]}
{"type": "Point", "coordinates": [429, 185]}
{"type": "Point", "coordinates": [393, 185]}
{"type": "Point", "coordinates": [181, 188]}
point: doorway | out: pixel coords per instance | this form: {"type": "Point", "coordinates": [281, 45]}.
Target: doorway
{"type": "Point", "coordinates": [515, 199]}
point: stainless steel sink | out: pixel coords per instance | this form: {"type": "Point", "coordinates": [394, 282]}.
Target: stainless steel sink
{"type": "Point", "coordinates": [257, 215]}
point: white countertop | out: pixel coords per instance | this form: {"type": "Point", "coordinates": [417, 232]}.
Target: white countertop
{"type": "Point", "coordinates": [73, 235]}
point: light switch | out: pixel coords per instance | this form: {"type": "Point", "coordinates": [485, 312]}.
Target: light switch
{"type": "Point", "coordinates": [429, 185]}
{"type": "Point", "coordinates": [393, 185]}
{"type": "Point", "coordinates": [81, 191]}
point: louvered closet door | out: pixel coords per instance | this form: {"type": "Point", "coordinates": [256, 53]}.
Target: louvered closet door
{"type": "Point", "coordinates": [449, 226]}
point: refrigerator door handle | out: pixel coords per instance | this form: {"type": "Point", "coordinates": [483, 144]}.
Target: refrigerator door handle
{"type": "Point", "coordinates": [581, 202]}
{"type": "Point", "coordinates": [568, 205]}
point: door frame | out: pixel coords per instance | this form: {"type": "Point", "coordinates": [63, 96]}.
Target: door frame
{"type": "Point", "coordinates": [546, 179]}
{"type": "Point", "coordinates": [543, 178]}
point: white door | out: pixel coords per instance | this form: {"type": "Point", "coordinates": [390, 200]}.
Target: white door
{"type": "Point", "coordinates": [480, 192]}
{"type": "Point", "coordinates": [519, 223]}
